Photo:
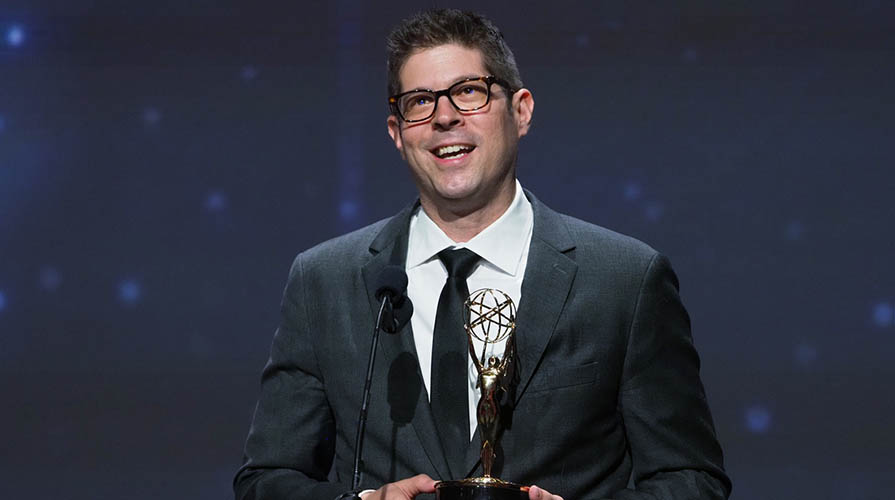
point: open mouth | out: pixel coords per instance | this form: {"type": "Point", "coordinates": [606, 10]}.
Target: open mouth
{"type": "Point", "coordinates": [453, 151]}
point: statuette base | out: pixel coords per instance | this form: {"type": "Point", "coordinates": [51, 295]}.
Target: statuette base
{"type": "Point", "coordinates": [480, 488]}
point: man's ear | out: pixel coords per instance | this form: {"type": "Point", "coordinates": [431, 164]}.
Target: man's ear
{"type": "Point", "coordinates": [394, 131]}
{"type": "Point", "coordinates": [523, 108]}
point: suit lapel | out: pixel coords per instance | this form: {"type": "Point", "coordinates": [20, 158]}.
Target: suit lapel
{"type": "Point", "coordinates": [549, 274]}
{"type": "Point", "coordinates": [390, 248]}
{"type": "Point", "coordinates": [544, 292]}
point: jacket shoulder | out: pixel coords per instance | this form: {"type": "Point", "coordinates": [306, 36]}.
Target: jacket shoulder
{"type": "Point", "coordinates": [599, 234]}
{"type": "Point", "coordinates": [342, 252]}
{"type": "Point", "coordinates": [586, 240]}
{"type": "Point", "coordinates": [599, 243]}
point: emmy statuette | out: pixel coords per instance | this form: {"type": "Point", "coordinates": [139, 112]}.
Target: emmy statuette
{"type": "Point", "coordinates": [490, 317]}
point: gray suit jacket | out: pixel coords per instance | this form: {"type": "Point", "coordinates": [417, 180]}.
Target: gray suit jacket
{"type": "Point", "coordinates": [608, 383]}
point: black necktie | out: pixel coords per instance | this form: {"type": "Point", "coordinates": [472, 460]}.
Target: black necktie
{"type": "Point", "coordinates": [449, 358]}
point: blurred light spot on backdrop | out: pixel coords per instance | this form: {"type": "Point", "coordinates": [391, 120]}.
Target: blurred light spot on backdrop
{"type": "Point", "coordinates": [632, 191]}
{"type": "Point", "coordinates": [758, 419]}
{"type": "Point", "coordinates": [653, 210]}
{"type": "Point", "coordinates": [129, 292]}
{"type": "Point", "coordinates": [612, 25]}
{"type": "Point", "coordinates": [216, 202]}
{"type": "Point", "coordinates": [50, 279]}
{"type": "Point", "coordinates": [583, 40]}
{"type": "Point", "coordinates": [805, 354]}
{"type": "Point", "coordinates": [351, 177]}
{"type": "Point", "coordinates": [690, 55]}
{"type": "Point", "coordinates": [151, 116]}
{"type": "Point", "coordinates": [883, 314]}
{"type": "Point", "coordinates": [2, 301]}
{"type": "Point", "coordinates": [15, 36]}
{"type": "Point", "coordinates": [248, 73]}
{"type": "Point", "coordinates": [794, 231]}
{"type": "Point", "coordinates": [348, 210]}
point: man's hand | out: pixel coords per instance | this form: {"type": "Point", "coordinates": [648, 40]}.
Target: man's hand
{"type": "Point", "coordinates": [404, 489]}
{"type": "Point", "coordinates": [535, 493]}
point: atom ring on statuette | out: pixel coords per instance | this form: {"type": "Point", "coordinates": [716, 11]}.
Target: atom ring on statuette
{"type": "Point", "coordinates": [490, 315]}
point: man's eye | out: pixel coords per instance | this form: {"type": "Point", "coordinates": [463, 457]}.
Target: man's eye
{"type": "Point", "coordinates": [469, 90]}
{"type": "Point", "coordinates": [419, 100]}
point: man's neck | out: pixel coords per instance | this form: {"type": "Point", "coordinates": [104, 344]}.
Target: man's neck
{"type": "Point", "coordinates": [462, 221]}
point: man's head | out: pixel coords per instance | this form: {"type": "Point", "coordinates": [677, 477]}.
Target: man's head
{"type": "Point", "coordinates": [463, 162]}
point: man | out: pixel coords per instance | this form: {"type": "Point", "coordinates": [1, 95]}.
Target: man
{"type": "Point", "coordinates": [607, 390]}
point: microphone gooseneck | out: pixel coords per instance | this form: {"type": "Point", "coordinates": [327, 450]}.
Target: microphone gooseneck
{"type": "Point", "coordinates": [395, 310]}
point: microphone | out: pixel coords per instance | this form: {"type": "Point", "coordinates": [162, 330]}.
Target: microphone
{"type": "Point", "coordinates": [391, 282]}
{"type": "Point", "coordinates": [391, 285]}
{"type": "Point", "coordinates": [395, 310]}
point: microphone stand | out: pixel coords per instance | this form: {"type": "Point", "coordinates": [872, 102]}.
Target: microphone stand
{"type": "Point", "coordinates": [362, 420]}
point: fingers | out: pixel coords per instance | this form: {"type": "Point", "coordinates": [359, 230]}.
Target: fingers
{"type": "Point", "coordinates": [404, 489]}
{"type": "Point", "coordinates": [420, 483]}
{"type": "Point", "coordinates": [536, 493]}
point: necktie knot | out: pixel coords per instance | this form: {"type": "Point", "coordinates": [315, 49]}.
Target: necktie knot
{"type": "Point", "coordinates": [459, 262]}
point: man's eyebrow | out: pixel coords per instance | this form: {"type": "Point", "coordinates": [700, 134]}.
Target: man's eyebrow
{"type": "Point", "coordinates": [469, 76]}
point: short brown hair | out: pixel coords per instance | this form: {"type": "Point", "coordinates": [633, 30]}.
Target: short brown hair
{"type": "Point", "coordinates": [436, 27]}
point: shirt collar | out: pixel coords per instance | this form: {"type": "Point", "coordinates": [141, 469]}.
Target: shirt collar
{"type": "Point", "coordinates": [501, 244]}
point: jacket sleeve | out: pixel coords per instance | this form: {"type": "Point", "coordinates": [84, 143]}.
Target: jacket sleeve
{"type": "Point", "coordinates": [290, 446]}
{"type": "Point", "coordinates": [669, 428]}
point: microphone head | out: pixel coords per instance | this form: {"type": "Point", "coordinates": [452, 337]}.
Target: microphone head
{"type": "Point", "coordinates": [391, 282]}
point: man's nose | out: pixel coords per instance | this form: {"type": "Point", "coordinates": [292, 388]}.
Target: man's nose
{"type": "Point", "coordinates": [446, 115]}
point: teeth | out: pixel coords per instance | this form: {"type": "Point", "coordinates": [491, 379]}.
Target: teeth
{"type": "Point", "coordinates": [452, 150]}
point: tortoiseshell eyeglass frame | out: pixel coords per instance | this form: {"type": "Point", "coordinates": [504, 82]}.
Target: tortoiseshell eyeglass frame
{"type": "Point", "coordinates": [489, 80]}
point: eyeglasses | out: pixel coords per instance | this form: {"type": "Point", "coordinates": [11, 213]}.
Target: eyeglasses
{"type": "Point", "coordinates": [466, 95]}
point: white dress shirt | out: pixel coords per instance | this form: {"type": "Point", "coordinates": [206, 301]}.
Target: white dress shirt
{"type": "Point", "coordinates": [503, 247]}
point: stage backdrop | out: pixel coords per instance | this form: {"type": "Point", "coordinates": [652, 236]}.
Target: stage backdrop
{"type": "Point", "coordinates": [162, 162]}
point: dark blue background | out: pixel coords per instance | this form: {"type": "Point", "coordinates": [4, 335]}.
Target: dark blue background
{"type": "Point", "coordinates": [161, 164]}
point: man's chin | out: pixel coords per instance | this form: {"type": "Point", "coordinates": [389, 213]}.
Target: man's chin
{"type": "Point", "coordinates": [457, 194]}
{"type": "Point", "coordinates": [465, 196]}
{"type": "Point", "coordinates": [461, 203]}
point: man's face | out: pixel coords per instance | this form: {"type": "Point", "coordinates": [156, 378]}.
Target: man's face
{"type": "Point", "coordinates": [483, 168]}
